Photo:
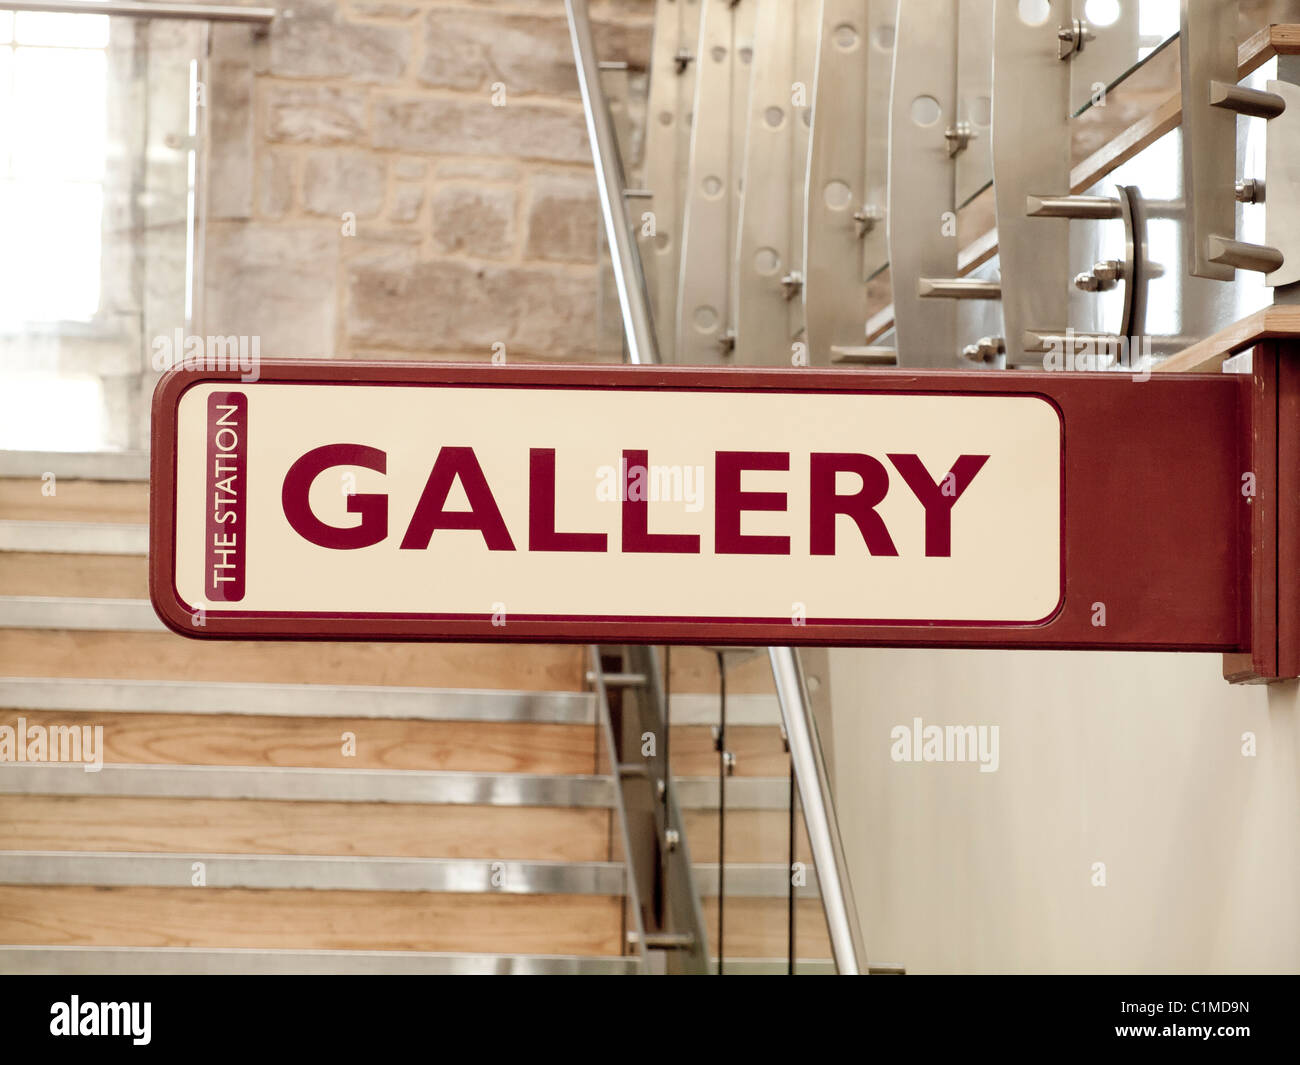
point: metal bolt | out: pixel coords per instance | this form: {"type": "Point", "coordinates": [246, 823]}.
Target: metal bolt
{"type": "Point", "coordinates": [1073, 37]}
{"type": "Point", "coordinates": [729, 762]}
{"type": "Point", "coordinates": [791, 284]}
{"type": "Point", "coordinates": [1251, 190]}
{"type": "Point", "coordinates": [1103, 276]}
{"type": "Point", "coordinates": [661, 788]}
{"type": "Point", "coordinates": [866, 218]}
{"type": "Point", "coordinates": [958, 137]}
{"type": "Point", "coordinates": [1108, 270]}
{"type": "Point", "coordinates": [683, 58]}
{"type": "Point", "coordinates": [671, 839]}
{"type": "Point", "coordinates": [727, 342]}
{"type": "Point", "coordinates": [986, 349]}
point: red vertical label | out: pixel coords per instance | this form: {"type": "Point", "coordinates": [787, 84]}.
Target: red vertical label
{"type": "Point", "coordinates": [227, 484]}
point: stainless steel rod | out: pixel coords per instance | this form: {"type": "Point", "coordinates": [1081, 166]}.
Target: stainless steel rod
{"type": "Point", "coordinates": [1070, 342]}
{"type": "Point", "coordinates": [958, 288]}
{"type": "Point", "coordinates": [1246, 101]}
{"type": "Point", "coordinates": [1072, 207]}
{"type": "Point", "coordinates": [870, 355]}
{"type": "Point", "coordinates": [126, 9]}
{"type": "Point", "coordinates": [819, 813]}
{"type": "Point", "coordinates": [1241, 255]}
{"type": "Point", "coordinates": [629, 276]}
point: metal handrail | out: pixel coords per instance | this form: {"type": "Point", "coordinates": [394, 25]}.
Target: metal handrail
{"type": "Point", "coordinates": [629, 274]}
{"type": "Point", "coordinates": [129, 9]}
{"type": "Point", "coordinates": [818, 804]}
{"type": "Point", "coordinates": [642, 348]}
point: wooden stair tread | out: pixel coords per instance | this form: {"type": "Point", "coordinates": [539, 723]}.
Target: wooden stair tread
{"type": "Point", "coordinates": [250, 826]}
{"type": "Point", "coordinates": [327, 920]}
{"type": "Point", "coordinates": [237, 740]}
{"type": "Point", "coordinates": [22, 498]}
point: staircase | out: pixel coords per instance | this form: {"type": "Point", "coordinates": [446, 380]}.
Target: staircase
{"type": "Point", "coordinates": [304, 807]}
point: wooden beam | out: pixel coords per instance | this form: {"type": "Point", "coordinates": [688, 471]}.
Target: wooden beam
{"type": "Point", "coordinates": [1206, 356]}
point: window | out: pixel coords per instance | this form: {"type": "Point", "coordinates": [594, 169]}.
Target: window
{"type": "Point", "coordinates": [53, 132]}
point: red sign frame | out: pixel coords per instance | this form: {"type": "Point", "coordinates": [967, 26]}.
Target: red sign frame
{"type": "Point", "coordinates": [1155, 524]}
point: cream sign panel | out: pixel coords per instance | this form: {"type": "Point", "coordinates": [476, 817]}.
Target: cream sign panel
{"type": "Point", "coordinates": [479, 501]}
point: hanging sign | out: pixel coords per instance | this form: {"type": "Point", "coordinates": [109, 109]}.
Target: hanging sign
{"type": "Point", "coordinates": [354, 500]}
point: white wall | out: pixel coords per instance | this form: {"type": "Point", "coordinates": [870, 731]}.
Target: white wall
{"type": "Point", "coordinates": [1134, 760]}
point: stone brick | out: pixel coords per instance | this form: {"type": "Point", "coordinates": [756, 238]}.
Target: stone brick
{"type": "Point", "coordinates": [273, 281]}
{"type": "Point", "coordinates": [475, 219]}
{"type": "Point", "coordinates": [275, 184]}
{"type": "Point", "coordinates": [384, 10]}
{"type": "Point", "coordinates": [632, 10]}
{"type": "Point", "coordinates": [475, 127]}
{"type": "Point", "coordinates": [478, 169]}
{"type": "Point", "coordinates": [644, 9]}
{"type": "Point", "coordinates": [230, 181]}
{"type": "Point", "coordinates": [334, 182]}
{"type": "Point", "coordinates": [314, 115]}
{"type": "Point", "coordinates": [394, 301]}
{"type": "Point", "coordinates": [563, 218]}
{"type": "Point", "coordinates": [408, 200]}
{"type": "Point", "coordinates": [471, 50]}
{"type": "Point", "coordinates": [371, 237]}
{"type": "Point", "coordinates": [410, 169]}
{"type": "Point", "coordinates": [318, 43]}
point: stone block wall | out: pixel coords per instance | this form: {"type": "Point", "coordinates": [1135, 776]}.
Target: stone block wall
{"type": "Point", "coordinates": [407, 179]}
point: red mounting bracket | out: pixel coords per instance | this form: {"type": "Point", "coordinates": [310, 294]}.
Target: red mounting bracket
{"type": "Point", "coordinates": [1266, 346]}
{"type": "Point", "coordinates": [1271, 485]}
